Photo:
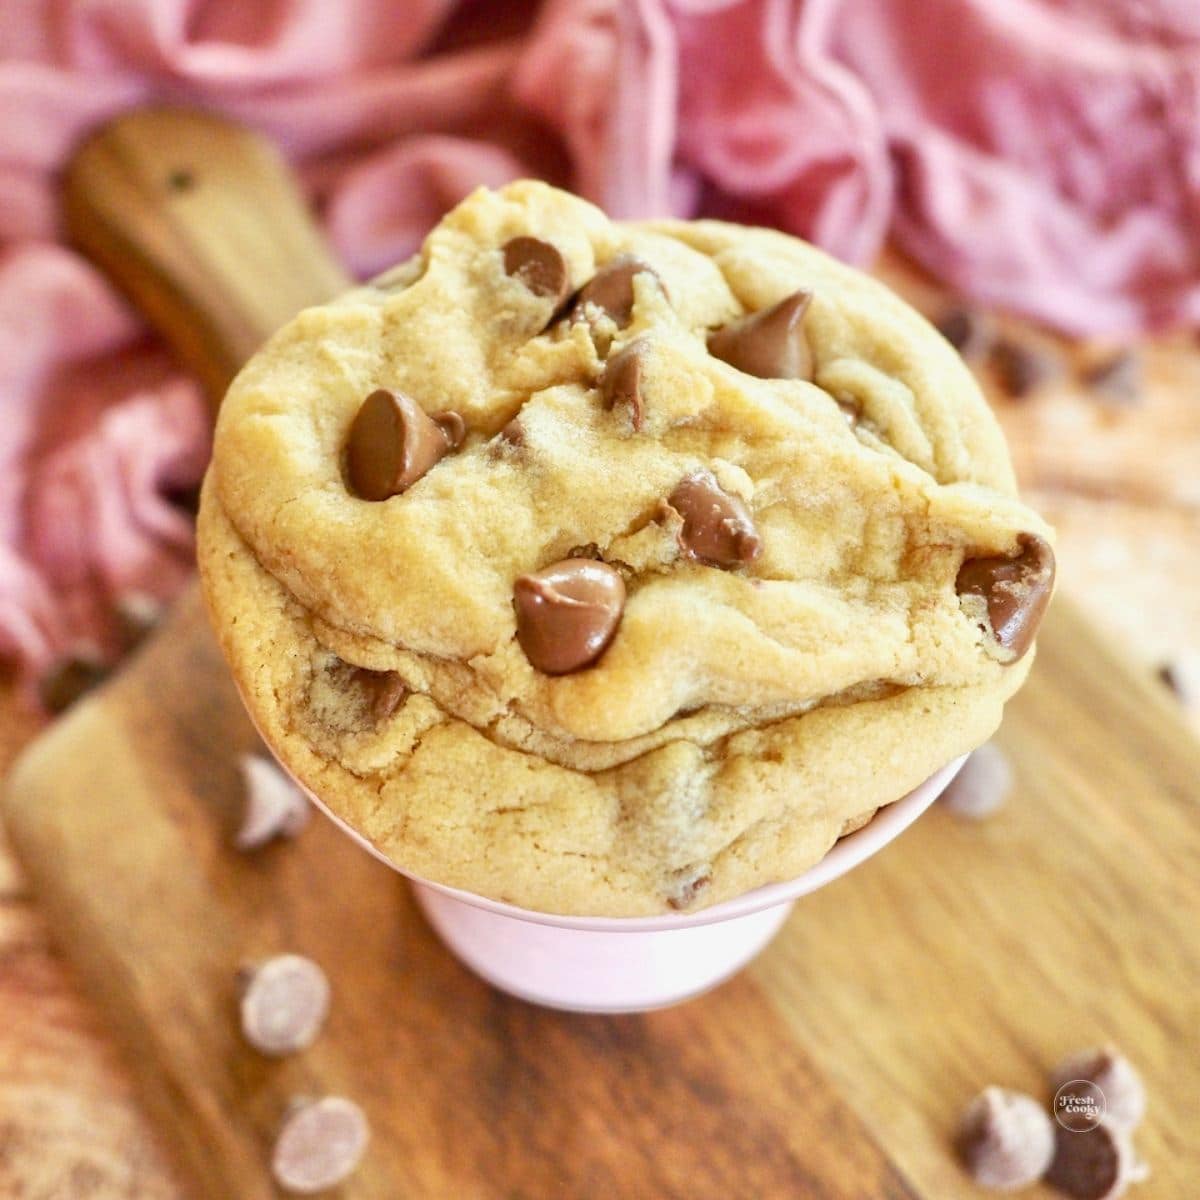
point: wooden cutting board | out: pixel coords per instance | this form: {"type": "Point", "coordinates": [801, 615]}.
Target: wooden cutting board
{"type": "Point", "coordinates": [834, 1067]}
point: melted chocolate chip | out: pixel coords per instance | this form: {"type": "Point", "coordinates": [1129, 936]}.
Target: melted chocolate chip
{"type": "Point", "coordinates": [393, 442]}
{"type": "Point", "coordinates": [770, 344]}
{"type": "Point", "coordinates": [622, 381]}
{"type": "Point", "coordinates": [385, 691]}
{"type": "Point", "coordinates": [568, 613]}
{"type": "Point", "coordinates": [1016, 591]}
{"type": "Point", "coordinates": [611, 288]}
{"type": "Point", "coordinates": [539, 266]}
{"type": "Point", "coordinates": [717, 527]}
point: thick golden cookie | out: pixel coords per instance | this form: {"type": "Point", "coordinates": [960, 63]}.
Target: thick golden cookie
{"type": "Point", "coordinates": [686, 547]}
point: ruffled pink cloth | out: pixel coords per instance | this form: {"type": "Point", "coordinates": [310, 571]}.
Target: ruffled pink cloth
{"type": "Point", "coordinates": [1039, 155]}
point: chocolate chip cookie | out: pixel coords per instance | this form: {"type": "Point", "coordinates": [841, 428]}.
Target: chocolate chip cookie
{"type": "Point", "coordinates": [611, 568]}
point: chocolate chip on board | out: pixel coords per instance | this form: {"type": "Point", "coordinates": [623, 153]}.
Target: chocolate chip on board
{"type": "Point", "coordinates": [1005, 1139]}
{"type": "Point", "coordinates": [970, 332]}
{"type": "Point", "coordinates": [284, 1003]}
{"type": "Point", "coordinates": [568, 613]}
{"type": "Point", "coordinates": [1021, 368]}
{"type": "Point", "coordinates": [71, 678]}
{"type": "Point", "coordinates": [1098, 1164]}
{"type": "Point", "coordinates": [274, 806]}
{"type": "Point", "coordinates": [771, 343]}
{"type": "Point", "coordinates": [982, 785]}
{"type": "Point", "coordinates": [1117, 378]}
{"type": "Point", "coordinates": [1115, 1076]}
{"type": "Point", "coordinates": [319, 1145]}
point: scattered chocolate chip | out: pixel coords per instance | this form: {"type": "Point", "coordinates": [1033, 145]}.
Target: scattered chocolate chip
{"type": "Point", "coordinates": [1005, 1139]}
{"type": "Point", "coordinates": [1116, 378]}
{"type": "Point", "coordinates": [1016, 591]}
{"type": "Point", "coordinates": [539, 266]}
{"type": "Point", "coordinates": [1114, 1075]}
{"type": "Point", "coordinates": [1021, 369]}
{"type": "Point", "coordinates": [319, 1145]}
{"type": "Point", "coordinates": [688, 889]}
{"type": "Point", "coordinates": [138, 614]}
{"type": "Point", "coordinates": [568, 613]}
{"type": "Point", "coordinates": [275, 807]}
{"type": "Point", "coordinates": [717, 527]}
{"type": "Point", "coordinates": [621, 383]}
{"type": "Point", "coordinates": [72, 678]}
{"type": "Point", "coordinates": [982, 785]}
{"type": "Point", "coordinates": [611, 288]}
{"type": "Point", "coordinates": [385, 691]}
{"type": "Point", "coordinates": [284, 1003]}
{"type": "Point", "coordinates": [1183, 681]}
{"type": "Point", "coordinates": [393, 442]}
{"type": "Point", "coordinates": [1098, 1164]}
{"type": "Point", "coordinates": [770, 344]}
{"type": "Point", "coordinates": [968, 331]}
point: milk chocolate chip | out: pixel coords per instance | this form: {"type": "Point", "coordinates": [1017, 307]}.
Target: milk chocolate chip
{"type": "Point", "coordinates": [1015, 590]}
{"type": "Point", "coordinates": [393, 442]}
{"type": "Point", "coordinates": [275, 807]}
{"type": "Point", "coordinates": [567, 613]}
{"type": "Point", "coordinates": [1110, 1071]}
{"type": "Point", "coordinates": [384, 690]}
{"type": "Point", "coordinates": [717, 528]}
{"type": "Point", "coordinates": [319, 1145]}
{"type": "Point", "coordinates": [622, 380]}
{"type": "Point", "coordinates": [611, 288]}
{"type": "Point", "coordinates": [539, 266]}
{"type": "Point", "coordinates": [1098, 1164]}
{"type": "Point", "coordinates": [770, 344]}
{"type": "Point", "coordinates": [1005, 1139]}
{"type": "Point", "coordinates": [285, 1001]}
{"type": "Point", "coordinates": [982, 786]}
{"type": "Point", "coordinates": [72, 678]}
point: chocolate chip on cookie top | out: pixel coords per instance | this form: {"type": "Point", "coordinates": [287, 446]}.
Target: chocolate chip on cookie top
{"type": "Point", "coordinates": [1015, 590]}
{"type": "Point", "coordinates": [611, 288]}
{"type": "Point", "coordinates": [717, 528]}
{"type": "Point", "coordinates": [539, 266]}
{"type": "Point", "coordinates": [771, 344]}
{"type": "Point", "coordinates": [621, 384]}
{"type": "Point", "coordinates": [393, 442]}
{"type": "Point", "coordinates": [567, 613]}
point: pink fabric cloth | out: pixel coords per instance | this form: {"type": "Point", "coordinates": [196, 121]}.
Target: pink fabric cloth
{"type": "Point", "coordinates": [1040, 155]}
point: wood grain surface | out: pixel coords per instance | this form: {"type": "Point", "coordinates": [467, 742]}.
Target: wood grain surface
{"type": "Point", "coordinates": [964, 955]}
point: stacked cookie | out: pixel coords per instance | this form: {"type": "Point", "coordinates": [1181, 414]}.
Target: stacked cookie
{"type": "Point", "coordinates": [606, 568]}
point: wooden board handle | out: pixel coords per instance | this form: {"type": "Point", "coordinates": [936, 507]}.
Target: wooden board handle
{"type": "Point", "coordinates": [199, 222]}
